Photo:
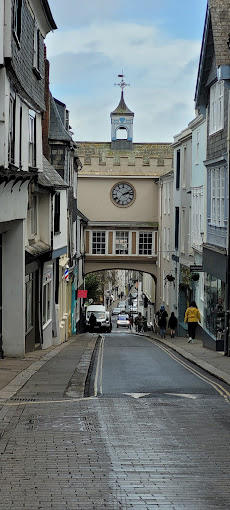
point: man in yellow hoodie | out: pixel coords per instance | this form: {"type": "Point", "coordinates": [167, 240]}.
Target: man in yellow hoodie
{"type": "Point", "coordinates": [192, 317]}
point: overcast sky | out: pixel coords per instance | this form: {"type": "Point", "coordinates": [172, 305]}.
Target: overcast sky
{"type": "Point", "coordinates": [155, 42]}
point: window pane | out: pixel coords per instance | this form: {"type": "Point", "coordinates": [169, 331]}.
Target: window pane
{"type": "Point", "coordinates": [98, 243]}
{"type": "Point", "coordinates": [122, 243]}
{"type": "Point", "coordinates": [29, 303]}
{"type": "Point", "coordinates": [145, 243]}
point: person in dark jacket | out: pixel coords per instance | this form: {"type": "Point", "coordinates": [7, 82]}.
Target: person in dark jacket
{"type": "Point", "coordinates": [92, 322]}
{"type": "Point", "coordinates": [162, 320]}
{"type": "Point", "coordinates": [172, 324]}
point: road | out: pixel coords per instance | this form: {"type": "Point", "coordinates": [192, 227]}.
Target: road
{"type": "Point", "coordinates": [152, 434]}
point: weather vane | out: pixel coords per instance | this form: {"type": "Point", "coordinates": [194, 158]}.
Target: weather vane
{"type": "Point", "coordinates": [122, 83]}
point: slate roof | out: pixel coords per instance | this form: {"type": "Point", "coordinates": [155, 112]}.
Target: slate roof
{"type": "Point", "coordinates": [122, 108]}
{"type": "Point", "coordinates": [214, 49]}
{"type": "Point", "coordinates": [49, 177]}
{"type": "Point", "coordinates": [57, 129]}
{"type": "Point", "coordinates": [220, 16]}
{"type": "Point", "coordinates": [37, 248]}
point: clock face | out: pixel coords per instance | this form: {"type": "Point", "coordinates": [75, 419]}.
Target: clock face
{"type": "Point", "coordinates": [123, 194]}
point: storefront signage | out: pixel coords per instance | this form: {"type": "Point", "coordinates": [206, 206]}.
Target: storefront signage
{"type": "Point", "coordinates": [196, 269]}
{"type": "Point", "coordinates": [82, 293]}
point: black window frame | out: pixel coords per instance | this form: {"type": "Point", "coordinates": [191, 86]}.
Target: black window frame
{"type": "Point", "coordinates": [57, 213]}
{"type": "Point", "coordinates": [17, 20]}
{"type": "Point", "coordinates": [11, 133]}
{"type": "Point", "coordinates": [177, 224]}
{"type": "Point", "coordinates": [178, 161]}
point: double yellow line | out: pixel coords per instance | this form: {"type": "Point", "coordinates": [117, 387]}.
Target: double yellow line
{"type": "Point", "coordinates": [218, 387]}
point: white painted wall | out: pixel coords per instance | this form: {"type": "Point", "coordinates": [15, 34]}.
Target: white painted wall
{"type": "Point", "coordinates": [44, 218]}
{"type": "Point", "coordinates": [13, 205]}
{"type": "Point", "coordinates": [13, 279]}
{"type": "Point", "coordinates": [60, 240]}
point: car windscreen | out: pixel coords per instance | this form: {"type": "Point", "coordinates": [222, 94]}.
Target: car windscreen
{"type": "Point", "coordinates": [98, 315]}
{"type": "Point", "coordinates": [123, 318]}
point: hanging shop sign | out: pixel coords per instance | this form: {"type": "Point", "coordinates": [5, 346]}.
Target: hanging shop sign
{"type": "Point", "coordinates": [196, 269]}
{"type": "Point", "coordinates": [82, 293]}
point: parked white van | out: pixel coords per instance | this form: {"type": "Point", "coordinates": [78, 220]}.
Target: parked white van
{"type": "Point", "coordinates": [103, 319]}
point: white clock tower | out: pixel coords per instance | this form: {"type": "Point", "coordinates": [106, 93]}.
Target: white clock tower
{"type": "Point", "coordinates": [122, 123]}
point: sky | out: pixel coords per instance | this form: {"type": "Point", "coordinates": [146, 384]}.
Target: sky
{"type": "Point", "coordinates": [156, 43]}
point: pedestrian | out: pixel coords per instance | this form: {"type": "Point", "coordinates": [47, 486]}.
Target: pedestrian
{"type": "Point", "coordinates": [130, 321]}
{"type": "Point", "coordinates": [192, 317]}
{"type": "Point", "coordinates": [162, 320]}
{"type": "Point", "coordinates": [92, 322]}
{"type": "Point", "coordinates": [139, 322]}
{"type": "Point", "coordinates": [172, 324]}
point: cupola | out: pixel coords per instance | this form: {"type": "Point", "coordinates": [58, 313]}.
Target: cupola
{"type": "Point", "coordinates": [122, 123]}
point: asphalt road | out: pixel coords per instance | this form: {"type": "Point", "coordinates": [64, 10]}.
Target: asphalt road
{"type": "Point", "coordinates": [154, 434]}
{"type": "Point", "coordinates": [132, 363]}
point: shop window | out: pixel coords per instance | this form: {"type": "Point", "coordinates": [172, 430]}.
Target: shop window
{"type": "Point", "coordinates": [214, 305]}
{"type": "Point", "coordinates": [29, 302]}
{"type": "Point", "coordinates": [0, 292]}
{"type": "Point", "coordinates": [46, 302]}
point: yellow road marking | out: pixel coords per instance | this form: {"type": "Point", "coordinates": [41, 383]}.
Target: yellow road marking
{"type": "Point", "coordinates": [218, 387]}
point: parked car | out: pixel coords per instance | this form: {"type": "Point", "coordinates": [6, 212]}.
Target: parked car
{"type": "Point", "coordinates": [122, 304]}
{"type": "Point", "coordinates": [116, 311]}
{"type": "Point", "coordinates": [133, 309]}
{"type": "Point", "coordinates": [123, 321]}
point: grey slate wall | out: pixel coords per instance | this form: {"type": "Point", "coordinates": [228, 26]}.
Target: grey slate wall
{"type": "Point", "coordinates": [21, 69]}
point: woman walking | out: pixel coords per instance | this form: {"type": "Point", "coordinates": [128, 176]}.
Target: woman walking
{"type": "Point", "coordinates": [192, 317]}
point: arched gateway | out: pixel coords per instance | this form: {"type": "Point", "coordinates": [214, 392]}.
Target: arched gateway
{"type": "Point", "coordinates": [118, 191]}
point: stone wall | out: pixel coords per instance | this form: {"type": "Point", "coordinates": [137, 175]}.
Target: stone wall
{"type": "Point", "coordinates": [143, 159]}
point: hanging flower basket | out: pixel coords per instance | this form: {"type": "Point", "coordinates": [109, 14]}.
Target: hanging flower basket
{"type": "Point", "coordinates": [170, 278]}
{"type": "Point", "coordinates": [195, 277]}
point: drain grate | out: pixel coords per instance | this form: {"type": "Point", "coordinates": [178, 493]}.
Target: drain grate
{"type": "Point", "coordinates": [18, 399]}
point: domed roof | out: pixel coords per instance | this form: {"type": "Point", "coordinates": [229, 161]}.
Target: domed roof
{"type": "Point", "coordinates": [122, 108]}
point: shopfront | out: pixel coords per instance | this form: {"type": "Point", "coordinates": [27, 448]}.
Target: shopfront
{"type": "Point", "coordinates": [214, 264]}
{"type": "Point", "coordinates": [214, 306]}
{"type": "Point", "coordinates": [1, 351]}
